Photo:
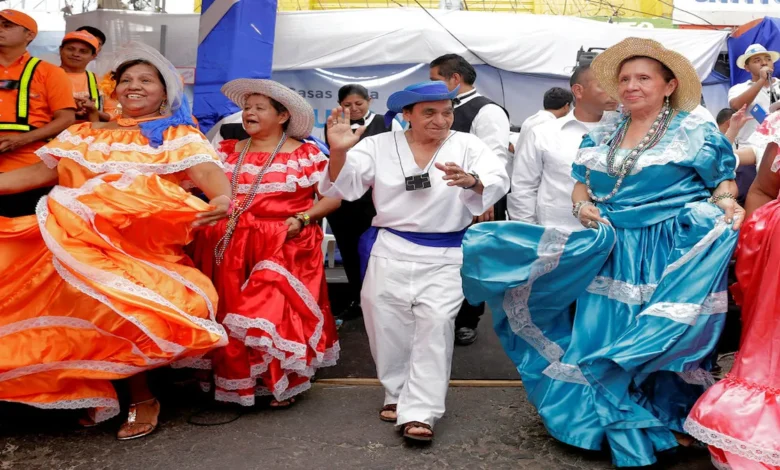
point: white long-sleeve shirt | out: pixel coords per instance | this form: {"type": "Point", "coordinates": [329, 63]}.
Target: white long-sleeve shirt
{"type": "Point", "coordinates": [492, 126]}
{"type": "Point", "coordinates": [384, 161]}
{"type": "Point", "coordinates": [541, 181]}
{"type": "Point", "coordinates": [540, 117]}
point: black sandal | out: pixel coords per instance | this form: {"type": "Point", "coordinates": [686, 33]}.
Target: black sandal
{"type": "Point", "coordinates": [417, 437]}
{"type": "Point", "coordinates": [392, 408]}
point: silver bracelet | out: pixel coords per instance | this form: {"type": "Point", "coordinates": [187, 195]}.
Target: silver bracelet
{"type": "Point", "coordinates": [577, 207]}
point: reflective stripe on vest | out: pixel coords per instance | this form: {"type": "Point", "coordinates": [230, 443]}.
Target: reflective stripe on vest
{"type": "Point", "coordinates": [94, 94]}
{"type": "Point", "coordinates": [23, 100]}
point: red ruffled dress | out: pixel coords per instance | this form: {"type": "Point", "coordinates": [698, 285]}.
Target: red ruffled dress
{"type": "Point", "coordinates": [739, 417]}
{"type": "Point", "coordinates": [273, 297]}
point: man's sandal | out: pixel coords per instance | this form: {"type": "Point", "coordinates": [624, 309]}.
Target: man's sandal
{"type": "Point", "coordinates": [386, 408]}
{"type": "Point", "coordinates": [418, 437]}
{"type": "Point", "coordinates": [132, 423]}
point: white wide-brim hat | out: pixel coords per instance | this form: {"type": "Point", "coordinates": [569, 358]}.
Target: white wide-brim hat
{"type": "Point", "coordinates": [301, 113]}
{"type": "Point", "coordinates": [606, 67]}
{"type": "Point", "coordinates": [754, 50]}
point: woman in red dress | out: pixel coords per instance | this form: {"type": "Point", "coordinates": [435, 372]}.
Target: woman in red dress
{"type": "Point", "coordinates": [266, 260]}
{"type": "Point", "coordinates": [739, 417]}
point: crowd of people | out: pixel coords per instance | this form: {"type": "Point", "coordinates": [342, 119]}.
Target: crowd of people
{"type": "Point", "coordinates": [130, 242]}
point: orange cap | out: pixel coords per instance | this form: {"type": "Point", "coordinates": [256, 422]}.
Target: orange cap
{"type": "Point", "coordinates": [23, 20]}
{"type": "Point", "coordinates": [84, 37]}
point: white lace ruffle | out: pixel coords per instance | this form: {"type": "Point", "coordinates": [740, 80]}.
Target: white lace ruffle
{"type": "Point", "coordinates": [632, 294]}
{"type": "Point", "coordinates": [95, 366]}
{"type": "Point", "coordinates": [729, 444]}
{"type": "Point", "coordinates": [105, 408]}
{"type": "Point", "coordinates": [106, 149]}
{"type": "Point", "coordinates": [719, 465]}
{"type": "Point", "coordinates": [565, 373]}
{"type": "Point", "coordinates": [698, 377]}
{"type": "Point", "coordinates": [192, 363]}
{"type": "Point", "coordinates": [46, 154]}
{"type": "Point", "coordinates": [233, 397]}
{"type": "Point", "coordinates": [515, 303]}
{"type": "Point", "coordinates": [678, 150]}
{"type": "Point", "coordinates": [688, 313]}
{"type": "Point", "coordinates": [290, 186]}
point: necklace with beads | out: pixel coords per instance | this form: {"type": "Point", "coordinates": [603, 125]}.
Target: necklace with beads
{"type": "Point", "coordinates": [650, 140]}
{"type": "Point", "coordinates": [239, 208]}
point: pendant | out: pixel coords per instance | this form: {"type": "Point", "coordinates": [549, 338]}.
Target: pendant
{"type": "Point", "coordinates": [413, 183]}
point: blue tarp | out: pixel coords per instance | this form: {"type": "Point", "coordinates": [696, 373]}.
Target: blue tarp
{"type": "Point", "coordinates": [766, 33]}
{"type": "Point", "coordinates": [240, 46]}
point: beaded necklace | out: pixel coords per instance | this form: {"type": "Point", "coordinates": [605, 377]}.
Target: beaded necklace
{"type": "Point", "coordinates": [239, 208]}
{"type": "Point", "coordinates": [653, 136]}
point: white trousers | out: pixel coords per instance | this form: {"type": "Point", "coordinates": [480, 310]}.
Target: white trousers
{"type": "Point", "coordinates": [409, 310]}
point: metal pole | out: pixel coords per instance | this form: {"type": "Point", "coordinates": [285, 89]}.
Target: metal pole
{"type": "Point", "coordinates": [163, 35]}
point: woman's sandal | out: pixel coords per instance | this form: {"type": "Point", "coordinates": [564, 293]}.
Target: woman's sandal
{"type": "Point", "coordinates": [385, 409]}
{"type": "Point", "coordinates": [132, 422]}
{"type": "Point", "coordinates": [418, 437]}
{"type": "Point", "coordinates": [282, 405]}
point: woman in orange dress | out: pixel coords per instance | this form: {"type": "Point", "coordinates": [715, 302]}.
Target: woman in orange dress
{"type": "Point", "coordinates": [266, 259]}
{"type": "Point", "coordinates": [96, 287]}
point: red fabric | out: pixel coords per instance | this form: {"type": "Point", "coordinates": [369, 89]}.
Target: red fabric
{"type": "Point", "coordinates": [742, 412]}
{"type": "Point", "coordinates": [273, 297]}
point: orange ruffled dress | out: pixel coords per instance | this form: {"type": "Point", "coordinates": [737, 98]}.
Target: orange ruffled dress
{"type": "Point", "coordinates": [272, 290]}
{"type": "Point", "coordinates": [97, 287]}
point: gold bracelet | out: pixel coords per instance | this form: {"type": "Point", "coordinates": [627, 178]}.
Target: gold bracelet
{"type": "Point", "coordinates": [304, 218]}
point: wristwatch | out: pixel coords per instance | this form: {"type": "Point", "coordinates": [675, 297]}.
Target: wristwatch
{"type": "Point", "coordinates": [304, 218]}
{"type": "Point", "coordinates": [476, 180]}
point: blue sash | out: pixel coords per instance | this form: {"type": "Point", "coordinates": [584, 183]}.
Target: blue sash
{"type": "Point", "coordinates": [439, 240]}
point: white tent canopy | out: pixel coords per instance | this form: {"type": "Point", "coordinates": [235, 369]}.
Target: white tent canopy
{"type": "Point", "coordinates": [521, 43]}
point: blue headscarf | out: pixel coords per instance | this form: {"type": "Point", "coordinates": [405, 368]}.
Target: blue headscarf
{"type": "Point", "coordinates": [153, 130]}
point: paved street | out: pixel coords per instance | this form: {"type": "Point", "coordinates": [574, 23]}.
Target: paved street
{"type": "Point", "coordinates": [333, 426]}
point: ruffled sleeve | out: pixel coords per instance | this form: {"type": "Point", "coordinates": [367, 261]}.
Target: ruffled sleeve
{"type": "Point", "coordinates": [226, 147]}
{"type": "Point", "coordinates": [578, 169]}
{"type": "Point", "coordinates": [312, 163]}
{"type": "Point", "coordinates": [715, 161]}
{"type": "Point", "coordinates": [587, 157]}
{"type": "Point", "coordinates": [119, 150]}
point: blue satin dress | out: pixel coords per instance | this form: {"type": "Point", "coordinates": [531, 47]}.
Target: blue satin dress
{"type": "Point", "coordinates": [650, 292]}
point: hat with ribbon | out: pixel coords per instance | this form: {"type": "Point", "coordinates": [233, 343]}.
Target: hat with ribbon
{"type": "Point", "coordinates": [754, 50]}
{"type": "Point", "coordinates": [417, 93]}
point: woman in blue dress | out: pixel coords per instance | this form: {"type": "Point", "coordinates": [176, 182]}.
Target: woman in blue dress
{"type": "Point", "coordinates": [656, 187]}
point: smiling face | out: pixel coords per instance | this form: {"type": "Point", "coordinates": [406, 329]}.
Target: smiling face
{"type": "Point", "coordinates": [262, 116]}
{"type": "Point", "coordinates": [357, 106]}
{"type": "Point", "coordinates": [13, 35]}
{"type": "Point", "coordinates": [643, 83]}
{"type": "Point", "coordinates": [76, 55]}
{"type": "Point", "coordinates": [431, 119]}
{"type": "Point", "coordinates": [140, 90]}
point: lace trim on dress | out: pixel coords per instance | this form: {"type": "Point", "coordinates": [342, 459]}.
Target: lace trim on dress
{"type": "Point", "coordinates": [97, 366]}
{"type": "Point", "coordinates": [518, 314]}
{"type": "Point", "coordinates": [565, 373]}
{"type": "Point", "coordinates": [105, 408]}
{"type": "Point", "coordinates": [719, 465]}
{"type": "Point", "coordinates": [290, 186]}
{"type": "Point", "coordinates": [70, 322]}
{"type": "Point", "coordinates": [46, 154]}
{"type": "Point", "coordinates": [688, 313]}
{"type": "Point", "coordinates": [632, 294]}
{"type": "Point", "coordinates": [106, 149]}
{"type": "Point", "coordinates": [730, 444]}
{"type": "Point", "coordinates": [678, 150]}
{"type": "Point", "coordinates": [192, 363]}
{"type": "Point", "coordinates": [67, 197]}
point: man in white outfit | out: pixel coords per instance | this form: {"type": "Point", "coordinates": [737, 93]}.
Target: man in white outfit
{"type": "Point", "coordinates": [429, 182]}
{"type": "Point", "coordinates": [557, 103]}
{"type": "Point", "coordinates": [541, 181]}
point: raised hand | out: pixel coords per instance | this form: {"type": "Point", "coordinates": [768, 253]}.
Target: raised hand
{"type": "Point", "coordinates": [339, 131]}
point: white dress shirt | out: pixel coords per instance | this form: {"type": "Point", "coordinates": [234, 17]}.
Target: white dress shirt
{"type": "Point", "coordinates": [492, 126]}
{"type": "Point", "coordinates": [541, 181]}
{"type": "Point", "coordinates": [540, 117]}
{"type": "Point", "coordinates": [762, 99]}
{"type": "Point", "coordinates": [384, 161]}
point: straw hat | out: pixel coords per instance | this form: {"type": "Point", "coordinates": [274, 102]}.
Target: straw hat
{"type": "Point", "coordinates": [301, 113]}
{"type": "Point", "coordinates": [606, 67]}
{"type": "Point", "coordinates": [754, 50]}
